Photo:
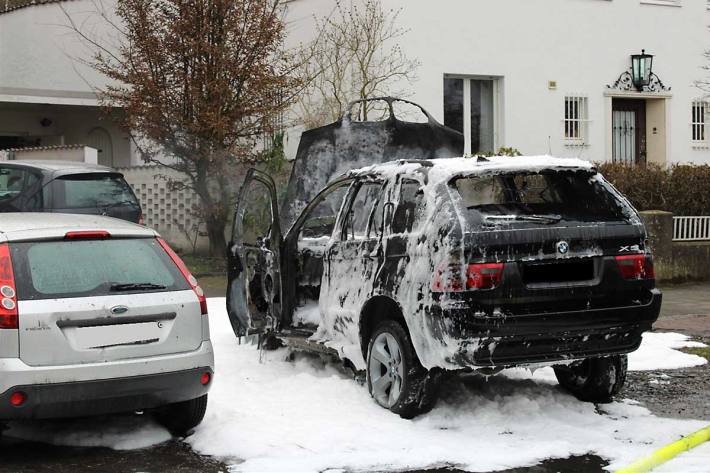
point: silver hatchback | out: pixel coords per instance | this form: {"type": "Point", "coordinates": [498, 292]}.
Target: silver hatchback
{"type": "Point", "coordinates": [98, 315]}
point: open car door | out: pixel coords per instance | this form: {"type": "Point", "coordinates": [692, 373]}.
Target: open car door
{"type": "Point", "coordinates": [254, 259]}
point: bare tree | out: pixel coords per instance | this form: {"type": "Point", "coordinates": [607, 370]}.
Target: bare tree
{"type": "Point", "coordinates": [355, 55]}
{"type": "Point", "coordinates": [200, 82]}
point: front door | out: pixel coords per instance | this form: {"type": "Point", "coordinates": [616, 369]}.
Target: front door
{"type": "Point", "coordinates": [254, 258]}
{"type": "Point", "coordinates": [629, 131]}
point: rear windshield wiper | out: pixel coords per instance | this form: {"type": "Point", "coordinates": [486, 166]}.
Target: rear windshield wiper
{"type": "Point", "coordinates": [526, 218]}
{"type": "Point", "coordinates": [136, 286]}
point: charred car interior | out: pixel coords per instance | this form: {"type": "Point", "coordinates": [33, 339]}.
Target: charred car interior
{"type": "Point", "coordinates": [427, 264]}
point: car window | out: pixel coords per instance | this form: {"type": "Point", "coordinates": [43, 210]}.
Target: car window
{"type": "Point", "coordinates": [12, 182]}
{"type": "Point", "coordinates": [569, 195]}
{"type": "Point", "coordinates": [321, 218]}
{"type": "Point", "coordinates": [79, 191]}
{"type": "Point", "coordinates": [85, 268]}
{"type": "Point", "coordinates": [362, 210]}
{"type": "Point", "coordinates": [256, 215]}
{"type": "Point", "coordinates": [409, 210]}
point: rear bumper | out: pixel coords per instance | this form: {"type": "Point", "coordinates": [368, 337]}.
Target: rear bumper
{"type": "Point", "coordinates": [507, 340]}
{"type": "Point", "coordinates": [96, 388]}
{"type": "Point", "coordinates": [84, 398]}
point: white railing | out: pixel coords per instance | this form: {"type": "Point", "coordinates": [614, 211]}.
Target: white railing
{"type": "Point", "coordinates": [691, 228]}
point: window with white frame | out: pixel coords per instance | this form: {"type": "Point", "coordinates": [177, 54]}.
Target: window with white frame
{"type": "Point", "coordinates": [700, 114]}
{"type": "Point", "coordinates": [470, 106]}
{"type": "Point", "coordinates": [576, 120]}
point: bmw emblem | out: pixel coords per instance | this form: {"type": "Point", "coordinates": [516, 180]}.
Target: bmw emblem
{"type": "Point", "coordinates": [562, 247]}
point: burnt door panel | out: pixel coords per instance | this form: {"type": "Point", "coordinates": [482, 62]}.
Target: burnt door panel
{"type": "Point", "coordinates": [253, 258]}
{"type": "Point", "coordinates": [352, 262]}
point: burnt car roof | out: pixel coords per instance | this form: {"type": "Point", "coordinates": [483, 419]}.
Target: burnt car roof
{"type": "Point", "coordinates": [331, 150]}
{"type": "Point", "coordinates": [447, 168]}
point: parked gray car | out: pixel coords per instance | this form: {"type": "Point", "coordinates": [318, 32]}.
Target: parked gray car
{"type": "Point", "coordinates": [66, 187]}
{"type": "Point", "coordinates": [99, 315]}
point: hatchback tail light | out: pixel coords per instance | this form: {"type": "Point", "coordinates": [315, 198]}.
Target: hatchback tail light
{"type": "Point", "coordinates": [457, 278]}
{"type": "Point", "coordinates": [186, 273]}
{"type": "Point", "coordinates": [639, 266]}
{"type": "Point", "coordinates": [87, 235]}
{"type": "Point", "coordinates": [8, 292]}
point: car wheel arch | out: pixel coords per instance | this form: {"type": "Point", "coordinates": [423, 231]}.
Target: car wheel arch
{"type": "Point", "coordinates": [376, 310]}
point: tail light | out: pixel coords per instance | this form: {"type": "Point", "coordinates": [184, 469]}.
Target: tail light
{"type": "Point", "coordinates": [457, 278]}
{"type": "Point", "coordinates": [638, 266]}
{"type": "Point", "coordinates": [188, 276]}
{"type": "Point", "coordinates": [87, 235]}
{"type": "Point", "coordinates": [18, 398]}
{"type": "Point", "coordinates": [8, 292]}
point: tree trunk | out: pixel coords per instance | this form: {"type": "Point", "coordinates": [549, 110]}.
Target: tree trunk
{"type": "Point", "coordinates": [215, 233]}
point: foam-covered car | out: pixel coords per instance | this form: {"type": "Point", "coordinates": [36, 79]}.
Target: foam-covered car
{"type": "Point", "coordinates": [409, 269]}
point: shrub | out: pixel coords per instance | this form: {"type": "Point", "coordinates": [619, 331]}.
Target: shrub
{"type": "Point", "coordinates": [683, 189]}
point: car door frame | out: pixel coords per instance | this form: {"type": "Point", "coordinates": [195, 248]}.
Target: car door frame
{"type": "Point", "coordinates": [340, 243]}
{"type": "Point", "coordinates": [269, 250]}
{"type": "Point", "coordinates": [290, 243]}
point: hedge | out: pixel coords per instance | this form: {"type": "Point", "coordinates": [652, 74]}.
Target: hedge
{"type": "Point", "coordinates": [683, 189]}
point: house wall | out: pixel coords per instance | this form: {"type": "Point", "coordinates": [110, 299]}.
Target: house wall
{"type": "Point", "coordinates": [69, 125]}
{"type": "Point", "coordinates": [40, 55]}
{"type": "Point", "coordinates": [582, 45]}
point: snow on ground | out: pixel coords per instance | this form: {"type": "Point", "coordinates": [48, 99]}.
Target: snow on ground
{"type": "Point", "coordinates": [657, 353]}
{"type": "Point", "coordinates": [303, 416]}
{"type": "Point", "coordinates": [279, 415]}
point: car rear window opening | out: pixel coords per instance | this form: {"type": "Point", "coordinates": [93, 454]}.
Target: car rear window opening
{"type": "Point", "coordinates": [82, 268]}
{"type": "Point", "coordinates": [545, 197]}
{"type": "Point", "coordinates": [80, 191]}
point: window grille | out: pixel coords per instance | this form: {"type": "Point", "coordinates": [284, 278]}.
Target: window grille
{"type": "Point", "coordinates": [699, 121]}
{"type": "Point", "coordinates": [576, 120]}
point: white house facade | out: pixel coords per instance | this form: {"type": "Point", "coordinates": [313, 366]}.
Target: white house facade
{"type": "Point", "coordinates": [541, 75]}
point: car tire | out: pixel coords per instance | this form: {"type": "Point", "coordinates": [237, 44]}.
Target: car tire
{"type": "Point", "coordinates": [595, 380]}
{"type": "Point", "coordinates": [395, 377]}
{"type": "Point", "coordinates": [180, 418]}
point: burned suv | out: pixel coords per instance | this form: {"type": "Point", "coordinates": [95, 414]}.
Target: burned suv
{"type": "Point", "coordinates": [409, 269]}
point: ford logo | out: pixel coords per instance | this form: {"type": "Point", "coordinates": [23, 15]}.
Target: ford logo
{"type": "Point", "coordinates": [119, 309]}
{"type": "Point", "coordinates": [562, 247]}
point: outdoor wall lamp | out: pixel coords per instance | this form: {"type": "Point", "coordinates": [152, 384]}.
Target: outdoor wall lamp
{"type": "Point", "coordinates": [641, 69]}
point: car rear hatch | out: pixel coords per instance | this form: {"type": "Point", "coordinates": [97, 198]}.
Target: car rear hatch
{"type": "Point", "coordinates": [558, 235]}
{"type": "Point", "coordinates": [88, 299]}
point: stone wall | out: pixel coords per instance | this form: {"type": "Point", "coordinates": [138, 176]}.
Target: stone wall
{"type": "Point", "coordinates": [675, 261]}
{"type": "Point", "coordinates": [172, 213]}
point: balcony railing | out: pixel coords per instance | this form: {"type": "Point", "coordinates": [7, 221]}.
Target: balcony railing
{"type": "Point", "coordinates": [691, 228]}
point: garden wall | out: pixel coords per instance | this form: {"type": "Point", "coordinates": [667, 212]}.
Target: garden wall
{"type": "Point", "coordinates": [675, 261]}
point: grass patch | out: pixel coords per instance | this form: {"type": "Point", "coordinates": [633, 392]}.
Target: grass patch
{"type": "Point", "coordinates": [700, 351]}
{"type": "Point", "coordinates": [200, 265]}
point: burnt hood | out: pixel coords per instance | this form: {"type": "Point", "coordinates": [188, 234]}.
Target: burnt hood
{"type": "Point", "coordinates": [331, 150]}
